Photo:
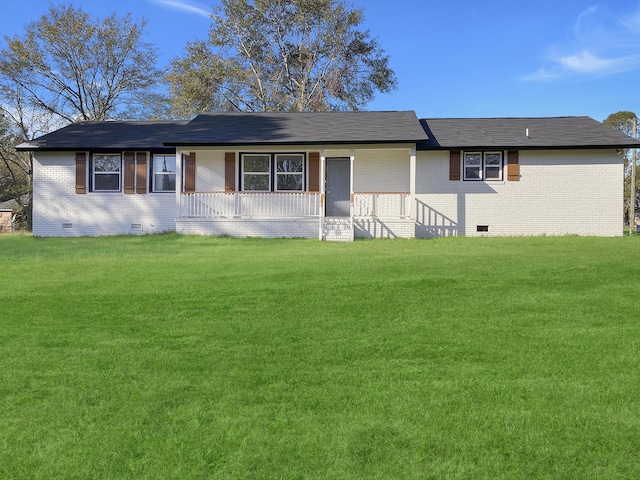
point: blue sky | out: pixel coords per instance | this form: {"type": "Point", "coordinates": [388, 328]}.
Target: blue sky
{"type": "Point", "coordinates": [452, 58]}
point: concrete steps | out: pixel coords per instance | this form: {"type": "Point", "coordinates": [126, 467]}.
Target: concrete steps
{"type": "Point", "coordinates": [337, 229]}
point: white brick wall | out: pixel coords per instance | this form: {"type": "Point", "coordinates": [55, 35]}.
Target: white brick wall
{"type": "Point", "coordinates": [383, 228]}
{"type": "Point", "coordinates": [210, 171]}
{"type": "Point", "coordinates": [381, 171]}
{"type": "Point", "coordinates": [59, 211]}
{"type": "Point", "coordinates": [251, 227]}
{"type": "Point", "coordinates": [569, 192]}
{"type": "Point", "coordinates": [559, 193]}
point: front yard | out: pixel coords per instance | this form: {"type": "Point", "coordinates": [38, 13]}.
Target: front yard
{"type": "Point", "coordinates": [194, 357]}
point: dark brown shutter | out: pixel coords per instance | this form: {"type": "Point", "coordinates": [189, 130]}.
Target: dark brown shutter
{"type": "Point", "coordinates": [141, 172]}
{"type": "Point", "coordinates": [454, 165]}
{"type": "Point", "coordinates": [190, 172]}
{"type": "Point", "coordinates": [314, 171]}
{"type": "Point", "coordinates": [129, 173]}
{"type": "Point", "coordinates": [229, 172]}
{"type": "Point", "coordinates": [81, 172]}
{"type": "Point", "coordinates": [513, 166]}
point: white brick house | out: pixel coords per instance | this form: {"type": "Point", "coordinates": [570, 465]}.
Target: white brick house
{"type": "Point", "coordinates": [330, 175]}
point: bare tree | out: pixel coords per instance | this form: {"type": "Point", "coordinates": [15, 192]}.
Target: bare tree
{"type": "Point", "coordinates": [76, 68]}
{"type": "Point", "coordinates": [68, 67]}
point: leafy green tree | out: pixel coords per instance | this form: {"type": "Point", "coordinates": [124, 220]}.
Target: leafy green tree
{"type": "Point", "coordinates": [280, 55]}
{"type": "Point", "coordinates": [623, 121]}
{"type": "Point", "coordinates": [68, 67]}
{"type": "Point", "coordinates": [77, 68]}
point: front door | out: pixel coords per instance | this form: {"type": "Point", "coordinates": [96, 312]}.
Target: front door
{"type": "Point", "coordinates": [338, 187]}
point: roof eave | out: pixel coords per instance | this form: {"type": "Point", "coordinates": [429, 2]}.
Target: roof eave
{"type": "Point", "coordinates": [527, 147]}
{"type": "Point", "coordinates": [279, 144]}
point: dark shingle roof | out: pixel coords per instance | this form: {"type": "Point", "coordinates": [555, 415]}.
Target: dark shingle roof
{"type": "Point", "coordinates": [118, 135]}
{"type": "Point", "coordinates": [299, 128]}
{"type": "Point", "coordinates": [241, 128]}
{"type": "Point", "coordinates": [549, 132]}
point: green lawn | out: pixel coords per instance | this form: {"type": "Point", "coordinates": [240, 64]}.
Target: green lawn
{"type": "Point", "coordinates": [192, 357]}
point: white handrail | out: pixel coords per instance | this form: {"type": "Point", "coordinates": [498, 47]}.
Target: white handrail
{"type": "Point", "coordinates": [381, 204]}
{"type": "Point", "coordinates": [250, 204]}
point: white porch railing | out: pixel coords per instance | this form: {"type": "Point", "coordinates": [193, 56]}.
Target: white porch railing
{"type": "Point", "coordinates": [250, 204]}
{"type": "Point", "coordinates": [379, 204]}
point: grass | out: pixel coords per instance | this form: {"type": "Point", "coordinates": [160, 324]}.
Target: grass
{"type": "Point", "coordinates": [192, 357]}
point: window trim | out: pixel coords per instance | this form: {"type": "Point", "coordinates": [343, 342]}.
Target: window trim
{"type": "Point", "coordinates": [153, 173]}
{"type": "Point", "coordinates": [273, 173]}
{"type": "Point", "coordinates": [301, 173]}
{"type": "Point", "coordinates": [483, 166]}
{"type": "Point", "coordinates": [243, 172]}
{"type": "Point", "coordinates": [93, 173]}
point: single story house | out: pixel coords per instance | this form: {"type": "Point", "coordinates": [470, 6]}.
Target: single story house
{"type": "Point", "coordinates": [331, 175]}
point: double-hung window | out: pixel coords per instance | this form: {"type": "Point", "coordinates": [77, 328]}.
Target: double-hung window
{"type": "Point", "coordinates": [256, 172]}
{"type": "Point", "coordinates": [289, 172]}
{"type": "Point", "coordinates": [106, 172]}
{"type": "Point", "coordinates": [278, 172]}
{"type": "Point", "coordinates": [164, 173]}
{"type": "Point", "coordinates": [483, 166]}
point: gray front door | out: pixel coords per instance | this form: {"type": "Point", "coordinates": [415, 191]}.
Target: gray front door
{"type": "Point", "coordinates": [338, 187]}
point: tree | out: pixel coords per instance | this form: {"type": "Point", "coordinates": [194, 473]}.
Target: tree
{"type": "Point", "coordinates": [624, 121]}
{"type": "Point", "coordinates": [76, 68]}
{"type": "Point", "coordinates": [15, 170]}
{"type": "Point", "coordinates": [280, 55]}
{"type": "Point", "coordinates": [68, 67]}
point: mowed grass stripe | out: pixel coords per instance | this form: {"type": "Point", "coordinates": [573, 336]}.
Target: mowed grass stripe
{"type": "Point", "coordinates": [192, 357]}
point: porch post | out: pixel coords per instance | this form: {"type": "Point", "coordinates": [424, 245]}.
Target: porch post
{"type": "Point", "coordinates": [351, 163]}
{"type": "Point", "coordinates": [322, 172]}
{"type": "Point", "coordinates": [412, 183]}
{"type": "Point", "coordinates": [178, 182]}
{"type": "Point", "coordinates": [323, 169]}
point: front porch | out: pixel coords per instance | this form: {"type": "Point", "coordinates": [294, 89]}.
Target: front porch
{"type": "Point", "coordinates": [295, 214]}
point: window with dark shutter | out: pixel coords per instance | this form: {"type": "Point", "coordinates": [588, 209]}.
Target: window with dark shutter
{"type": "Point", "coordinates": [129, 173]}
{"type": "Point", "coordinates": [141, 172]}
{"type": "Point", "coordinates": [513, 166]}
{"type": "Point", "coordinates": [190, 172]}
{"type": "Point", "coordinates": [314, 171]}
{"type": "Point", "coordinates": [454, 165]}
{"type": "Point", "coordinates": [81, 172]}
{"type": "Point", "coordinates": [229, 172]}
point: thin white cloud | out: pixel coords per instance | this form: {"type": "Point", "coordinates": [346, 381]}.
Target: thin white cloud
{"type": "Point", "coordinates": [587, 62]}
{"type": "Point", "coordinates": [185, 6]}
{"type": "Point", "coordinates": [582, 17]}
{"type": "Point", "coordinates": [631, 22]}
{"type": "Point", "coordinates": [542, 74]}
{"type": "Point", "coordinates": [598, 47]}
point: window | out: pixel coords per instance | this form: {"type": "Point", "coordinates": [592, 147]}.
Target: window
{"type": "Point", "coordinates": [289, 171]}
{"type": "Point", "coordinates": [164, 173]}
{"type": "Point", "coordinates": [483, 166]}
{"type": "Point", "coordinates": [256, 172]}
{"type": "Point", "coordinates": [279, 172]}
{"type": "Point", "coordinates": [106, 171]}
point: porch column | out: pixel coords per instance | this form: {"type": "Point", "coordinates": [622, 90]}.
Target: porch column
{"type": "Point", "coordinates": [178, 182]}
{"type": "Point", "coordinates": [352, 160]}
{"type": "Point", "coordinates": [412, 183]}
{"type": "Point", "coordinates": [323, 162]}
{"type": "Point", "coordinates": [323, 181]}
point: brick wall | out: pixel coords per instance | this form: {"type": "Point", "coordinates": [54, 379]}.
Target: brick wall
{"type": "Point", "coordinates": [381, 171]}
{"type": "Point", "coordinates": [251, 227]}
{"type": "Point", "coordinates": [569, 192]}
{"type": "Point", "coordinates": [59, 211]}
